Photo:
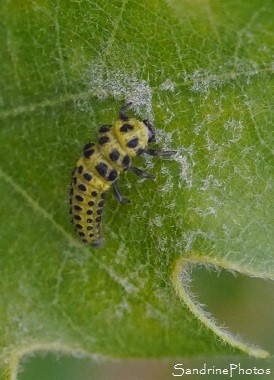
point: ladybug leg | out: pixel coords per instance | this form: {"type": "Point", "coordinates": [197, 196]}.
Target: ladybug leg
{"type": "Point", "coordinates": [119, 197]}
{"type": "Point", "coordinates": [163, 153]}
{"type": "Point", "coordinates": [141, 173]}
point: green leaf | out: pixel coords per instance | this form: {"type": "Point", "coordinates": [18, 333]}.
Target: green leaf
{"type": "Point", "coordinates": [202, 72]}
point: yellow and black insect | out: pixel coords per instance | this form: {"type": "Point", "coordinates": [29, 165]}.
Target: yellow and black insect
{"type": "Point", "coordinates": [100, 166]}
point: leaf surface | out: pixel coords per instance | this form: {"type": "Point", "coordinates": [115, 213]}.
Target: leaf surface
{"type": "Point", "coordinates": [202, 72]}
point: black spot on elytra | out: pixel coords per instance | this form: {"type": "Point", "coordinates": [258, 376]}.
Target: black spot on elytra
{"type": "Point", "coordinates": [78, 226]}
{"type": "Point", "coordinates": [88, 146]}
{"type": "Point", "coordinates": [112, 175]}
{"type": "Point", "coordinates": [103, 195]}
{"type": "Point", "coordinates": [79, 198]}
{"type": "Point", "coordinates": [80, 169]}
{"type": "Point", "coordinates": [133, 143]}
{"type": "Point", "coordinates": [77, 217]}
{"type": "Point", "coordinates": [81, 233]}
{"type": "Point", "coordinates": [82, 187]}
{"type": "Point", "coordinates": [91, 235]}
{"type": "Point", "coordinates": [89, 220]}
{"type": "Point", "coordinates": [91, 203]}
{"type": "Point", "coordinates": [102, 169]}
{"type": "Point", "coordinates": [89, 228]}
{"type": "Point", "coordinates": [87, 176]}
{"type": "Point", "coordinates": [101, 203]}
{"type": "Point", "coordinates": [103, 140]}
{"type": "Point", "coordinates": [74, 180]}
{"type": "Point", "coordinates": [98, 219]}
{"type": "Point", "coordinates": [77, 208]}
{"type": "Point", "coordinates": [126, 128]}
{"type": "Point", "coordinates": [114, 155]}
{"type": "Point", "coordinates": [99, 212]}
{"type": "Point", "coordinates": [104, 128]}
{"type": "Point", "coordinates": [88, 153]}
{"type": "Point", "coordinates": [89, 212]}
{"type": "Point", "coordinates": [94, 193]}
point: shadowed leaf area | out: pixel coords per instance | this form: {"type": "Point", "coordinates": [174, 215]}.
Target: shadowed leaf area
{"type": "Point", "coordinates": [202, 73]}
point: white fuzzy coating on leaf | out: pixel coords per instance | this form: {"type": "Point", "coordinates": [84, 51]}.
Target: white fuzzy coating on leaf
{"type": "Point", "coordinates": [121, 86]}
